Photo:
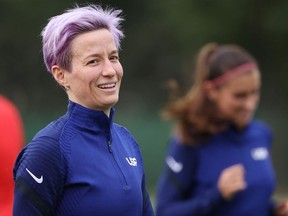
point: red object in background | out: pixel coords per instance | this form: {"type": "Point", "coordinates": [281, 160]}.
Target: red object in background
{"type": "Point", "coordinates": [11, 142]}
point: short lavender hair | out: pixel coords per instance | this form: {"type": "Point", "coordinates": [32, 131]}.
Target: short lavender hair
{"type": "Point", "coordinates": [62, 29]}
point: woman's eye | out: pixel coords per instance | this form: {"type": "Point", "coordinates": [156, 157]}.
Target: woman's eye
{"type": "Point", "coordinates": [114, 58]}
{"type": "Point", "coordinates": [94, 61]}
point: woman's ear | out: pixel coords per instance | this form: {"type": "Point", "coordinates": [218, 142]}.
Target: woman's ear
{"type": "Point", "coordinates": [211, 91]}
{"type": "Point", "coordinates": [59, 75]}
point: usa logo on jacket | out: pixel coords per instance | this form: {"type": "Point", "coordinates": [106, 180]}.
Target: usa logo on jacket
{"type": "Point", "coordinates": [259, 153]}
{"type": "Point", "coordinates": [131, 161]}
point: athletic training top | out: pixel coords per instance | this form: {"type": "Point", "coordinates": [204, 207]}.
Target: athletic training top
{"type": "Point", "coordinates": [81, 164]}
{"type": "Point", "coordinates": [11, 142]}
{"type": "Point", "coordinates": [188, 186]}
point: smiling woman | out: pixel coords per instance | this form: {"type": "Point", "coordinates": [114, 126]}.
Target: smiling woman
{"type": "Point", "coordinates": [95, 76]}
{"type": "Point", "coordinates": [83, 163]}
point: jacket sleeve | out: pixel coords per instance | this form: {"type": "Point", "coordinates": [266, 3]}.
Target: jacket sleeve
{"type": "Point", "coordinates": [176, 186]}
{"type": "Point", "coordinates": [38, 178]}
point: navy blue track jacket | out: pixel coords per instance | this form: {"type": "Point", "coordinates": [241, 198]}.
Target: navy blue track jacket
{"type": "Point", "coordinates": [188, 185]}
{"type": "Point", "coordinates": [81, 164]}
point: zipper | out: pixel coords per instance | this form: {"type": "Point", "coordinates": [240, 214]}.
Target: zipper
{"type": "Point", "coordinates": [126, 186]}
{"type": "Point", "coordinates": [109, 146]}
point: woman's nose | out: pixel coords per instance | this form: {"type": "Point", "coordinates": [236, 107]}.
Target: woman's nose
{"type": "Point", "coordinates": [251, 103]}
{"type": "Point", "coordinates": [108, 69]}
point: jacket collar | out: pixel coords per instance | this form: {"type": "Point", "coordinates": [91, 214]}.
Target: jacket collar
{"type": "Point", "coordinates": [90, 119]}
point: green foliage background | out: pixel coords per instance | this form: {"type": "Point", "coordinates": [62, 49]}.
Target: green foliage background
{"type": "Point", "coordinates": [162, 38]}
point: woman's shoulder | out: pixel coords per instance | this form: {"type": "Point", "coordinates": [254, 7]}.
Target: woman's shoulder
{"type": "Point", "coordinates": [45, 142]}
{"type": "Point", "coordinates": [259, 128]}
{"type": "Point", "coordinates": [52, 130]}
{"type": "Point", "coordinates": [43, 149]}
{"type": "Point", "coordinates": [176, 145]}
{"type": "Point", "coordinates": [259, 125]}
{"type": "Point", "coordinates": [122, 130]}
{"type": "Point", "coordinates": [125, 134]}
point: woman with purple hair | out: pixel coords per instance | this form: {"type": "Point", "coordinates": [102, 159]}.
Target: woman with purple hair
{"type": "Point", "coordinates": [83, 163]}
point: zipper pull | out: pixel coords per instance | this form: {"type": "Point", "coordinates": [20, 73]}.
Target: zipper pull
{"type": "Point", "coordinates": [109, 146]}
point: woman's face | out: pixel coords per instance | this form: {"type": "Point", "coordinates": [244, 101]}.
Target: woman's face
{"type": "Point", "coordinates": [237, 98]}
{"type": "Point", "coordinates": [96, 73]}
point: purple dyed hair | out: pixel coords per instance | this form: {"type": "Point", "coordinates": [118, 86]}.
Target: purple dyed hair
{"type": "Point", "coordinates": [62, 29]}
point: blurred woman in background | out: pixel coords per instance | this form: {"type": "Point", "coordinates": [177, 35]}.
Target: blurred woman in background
{"type": "Point", "coordinates": [218, 162]}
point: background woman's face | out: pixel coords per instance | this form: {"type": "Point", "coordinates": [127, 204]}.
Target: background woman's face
{"type": "Point", "coordinates": [237, 98]}
{"type": "Point", "coordinates": [96, 72]}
